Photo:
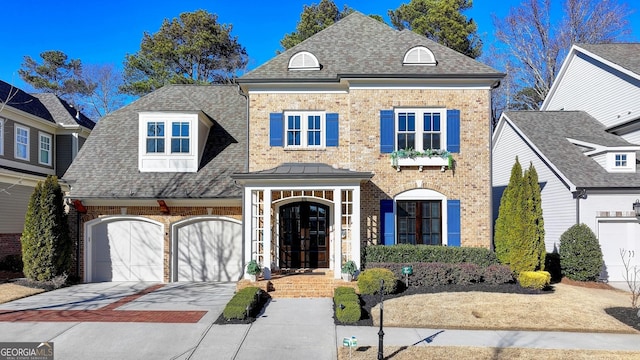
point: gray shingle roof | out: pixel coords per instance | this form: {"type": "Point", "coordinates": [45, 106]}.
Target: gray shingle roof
{"type": "Point", "coordinates": [359, 46]}
{"type": "Point", "coordinates": [310, 171]}
{"type": "Point", "coordinates": [23, 101]}
{"type": "Point", "coordinates": [107, 165]}
{"type": "Point", "coordinates": [622, 54]}
{"type": "Point", "coordinates": [63, 113]}
{"type": "Point", "coordinates": [549, 130]}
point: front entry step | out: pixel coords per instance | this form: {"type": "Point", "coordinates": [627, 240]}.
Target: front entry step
{"type": "Point", "coordinates": [299, 284]}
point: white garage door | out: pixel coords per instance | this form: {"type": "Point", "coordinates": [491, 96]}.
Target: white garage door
{"type": "Point", "coordinates": [126, 250]}
{"type": "Point", "coordinates": [616, 235]}
{"type": "Point", "coordinates": [208, 250]}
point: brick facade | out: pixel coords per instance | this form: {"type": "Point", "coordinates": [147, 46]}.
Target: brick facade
{"type": "Point", "coordinates": [359, 150]}
{"type": "Point", "coordinates": [10, 245]}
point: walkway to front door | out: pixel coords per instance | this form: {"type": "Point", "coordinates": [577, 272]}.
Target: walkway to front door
{"type": "Point", "coordinates": [304, 235]}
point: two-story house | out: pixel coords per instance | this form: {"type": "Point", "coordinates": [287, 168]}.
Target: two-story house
{"type": "Point", "coordinates": [312, 165]}
{"type": "Point", "coordinates": [584, 144]}
{"type": "Point", "coordinates": [40, 134]}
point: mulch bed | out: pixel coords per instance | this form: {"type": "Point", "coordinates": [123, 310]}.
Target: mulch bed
{"type": "Point", "coordinates": [7, 276]}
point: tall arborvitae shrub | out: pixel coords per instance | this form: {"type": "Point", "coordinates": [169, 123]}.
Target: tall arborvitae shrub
{"type": "Point", "coordinates": [46, 244]}
{"type": "Point", "coordinates": [508, 223]}
{"type": "Point", "coordinates": [528, 250]}
{"type": "Point", "coordinates": [580, 254]}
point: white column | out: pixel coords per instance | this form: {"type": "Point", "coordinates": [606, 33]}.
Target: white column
{"type": "Point", "coordinates": [248, 216]}
{"type": "Point", "coordinates": [268, 231]}
{"type": "Point", "coordinates": [336, 239]}
{"type": "Point", "coordinates": [355, 227]}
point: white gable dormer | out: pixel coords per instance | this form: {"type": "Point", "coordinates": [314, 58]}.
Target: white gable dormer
{"type": "Point", "coordinates": [613, 159]}
{"type": "Point", "coordinates": [171, 141]}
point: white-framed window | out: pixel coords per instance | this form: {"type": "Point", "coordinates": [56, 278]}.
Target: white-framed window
{"type": "Point", "coordinates": [44, 154]}
{"type": "Point", "coordinates": [21, 143]}
{"type": "Point", "coordinates": [305, 129]}
{"type": "Point", "coordinates": [620, 160]}
{"type": "Point", "coordinates": [171, 141]}
{"type": "Point", "coordinates": [180, 142]}
{"type": "Point", "coordinates": [157, 137]}
{"type": "Point", "coordinates": [420, 129]}
{"type": "Point", "coordinates": [419, 55]}
{"type": "Point", "coordinates": [304, 60]}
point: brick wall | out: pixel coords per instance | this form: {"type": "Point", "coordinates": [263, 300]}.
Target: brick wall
{"type": "Point", "coordinates": [10, 245]}
{"type": "Point", "coordinates": [359, 150]}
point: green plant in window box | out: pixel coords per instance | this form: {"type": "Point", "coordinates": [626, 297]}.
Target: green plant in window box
{"type": "Point", "coordinates": [412, 154]}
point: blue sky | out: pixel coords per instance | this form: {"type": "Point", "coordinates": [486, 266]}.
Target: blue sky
{"type": "Point", "coordinates": [100, 32]}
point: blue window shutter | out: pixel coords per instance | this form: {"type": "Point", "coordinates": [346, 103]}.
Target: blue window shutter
{"type": "Point", "coordinates": [332, 129]}
{"type": "Point", "coordinates": [276, 129]}
{"type": "Point", "coordinates": [387, 131]}
{"type": "Point", "coordinates": [388, 225]}
{"type": "Point", "coordinates": [453, 131]}
{"type": "Point", "coordinates": [453, 226]}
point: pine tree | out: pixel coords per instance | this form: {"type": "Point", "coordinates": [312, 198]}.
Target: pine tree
{"type": "Point", "coordinates": [46, 245]}
{"type": "Point", "coordinates": [509, 215]}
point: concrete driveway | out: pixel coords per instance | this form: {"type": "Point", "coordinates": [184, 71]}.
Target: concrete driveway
{"type": "Point", "coordinates": [79, 319]}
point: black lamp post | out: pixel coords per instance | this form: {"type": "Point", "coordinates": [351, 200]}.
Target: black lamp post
{"type": "Point", "coordinates": [381, 333]}
{"type": "Point", "coordinates": [636, 207]}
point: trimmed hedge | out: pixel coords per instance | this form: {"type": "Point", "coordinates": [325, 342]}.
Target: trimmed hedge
{"type": "Point", "coordinates": [436, 273]}
{"type": "Point", "coordinates": [369, 281]}
{"type": "Point", "coordinates": [534, 279]}
{"type": "Point", "coordinates": [347, 305]}
{"type": "Point", "coordinates": [404, 253]}
{"type": "Point", "coordinates": [580, 254]}
{"type": "Point", "coordinates": [247, 298]}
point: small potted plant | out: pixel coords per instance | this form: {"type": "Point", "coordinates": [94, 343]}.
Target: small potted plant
{"type": "Point", "coordinates": [349, 270]}
{"type": "Point", "coordinates": [253, 269]}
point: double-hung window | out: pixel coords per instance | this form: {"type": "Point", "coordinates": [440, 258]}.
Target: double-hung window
{"type": "Point", "coordinates": [179, 137]}
{"type": "Point", "coordinates": [305, 129]}
{"type": "Point", "coordinates": [155, 137]}
{"type": "Point", "coordinates": [44, 156]}
{"type": "Point", "coordinates": [22, 143]}
{"type": "Point", "coordinates": [419, 129]}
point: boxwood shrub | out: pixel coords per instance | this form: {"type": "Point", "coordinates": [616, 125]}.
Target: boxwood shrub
{"type": "Point", "coordinates": [247, 298]}
{"type": "Point", "coordinates": [369, 281]}
{"type": "Point", "coordinates": [347, 305]}
{"type": "Point", "coordinates": [404, 253]}
{"type": "Point", "coordinates": [534, 279]}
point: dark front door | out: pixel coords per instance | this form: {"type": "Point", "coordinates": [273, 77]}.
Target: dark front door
{"type": "Point", "coordinates": [304, 235]}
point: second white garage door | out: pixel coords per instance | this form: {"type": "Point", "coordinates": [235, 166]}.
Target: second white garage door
{"type": "Point", "coordinates": [125, 250]}
{"type": "Point", "coordinates": [616, 235]}
{"type": "Point", "coordinates": [207, 249]}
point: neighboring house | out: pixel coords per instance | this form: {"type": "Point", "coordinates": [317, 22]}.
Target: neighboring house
{"type": "Point", "coordinates": [584, 145]}
{"type": "Point", "coordinates": [40, 134]}
{"type": "Point", "coordinates": [303, 176]}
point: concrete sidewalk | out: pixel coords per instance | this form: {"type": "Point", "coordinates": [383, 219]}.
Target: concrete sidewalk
{"type": "Point", "coordinates": [368, 336]}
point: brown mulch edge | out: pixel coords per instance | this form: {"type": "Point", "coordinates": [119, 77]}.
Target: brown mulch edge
{"type": "Point", "coordinates": [587, 284]}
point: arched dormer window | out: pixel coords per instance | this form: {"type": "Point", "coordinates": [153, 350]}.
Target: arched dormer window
{"type": "Point", "coordinates": [304, 60]}
{"type": "Point", "coordinates": [419, 55]}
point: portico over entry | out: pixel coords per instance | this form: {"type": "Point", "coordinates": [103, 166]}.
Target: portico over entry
{"type": "Point", "coordinates": [302, 216]}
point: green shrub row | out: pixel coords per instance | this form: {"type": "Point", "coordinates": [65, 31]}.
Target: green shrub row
{"type": "Point", "coordinates": [404, 253]}
{"type": "Point", "coordinates": [369, 281]}
{"type": "Point", "coordinates": [534, 279]}
{"type": "Point", "coordinates": [437, 273]}
{"type": "Point", "coordinates": [243, 303]}
{"type": "Point", "coordinates": [347, 305]}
